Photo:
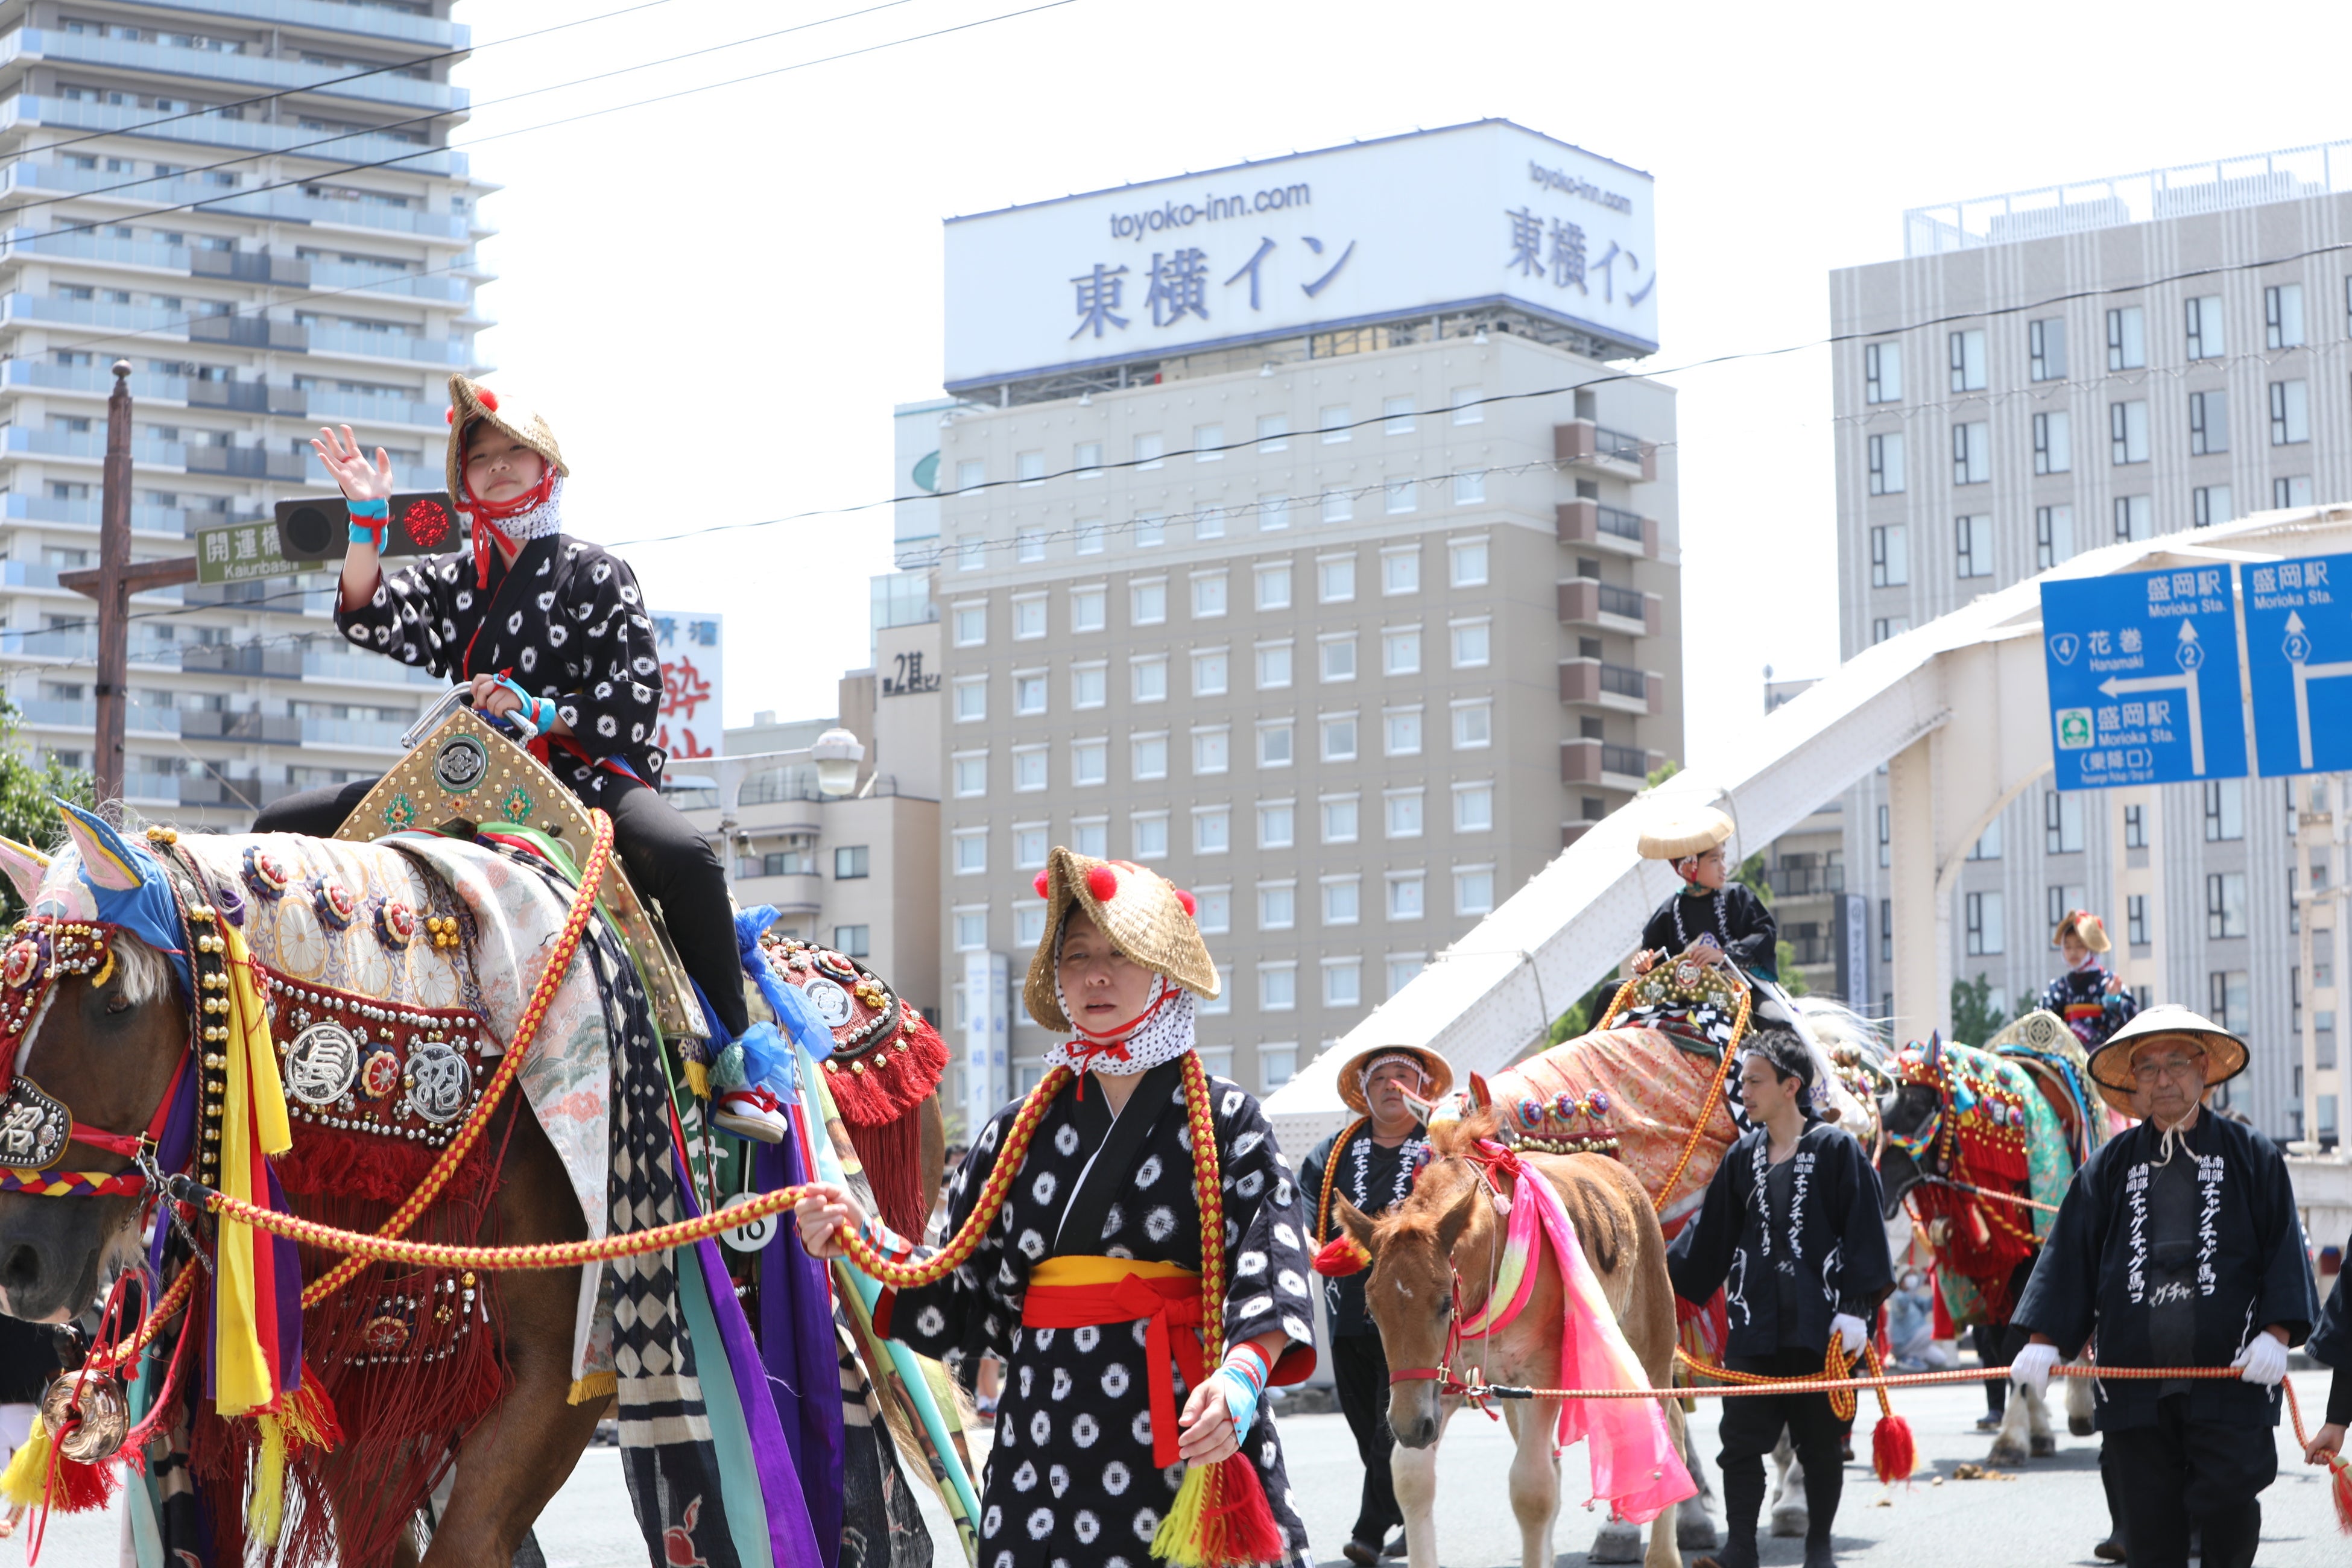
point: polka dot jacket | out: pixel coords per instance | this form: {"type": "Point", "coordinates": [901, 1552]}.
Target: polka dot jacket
{"type": "Point", "coordinates": [565, 621]}
{"type": "Point", "coordinates": [1071, 1479]}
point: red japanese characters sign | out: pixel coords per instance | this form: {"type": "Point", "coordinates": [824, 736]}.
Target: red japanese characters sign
{"type": "Point", "coordinates": [692, 647]}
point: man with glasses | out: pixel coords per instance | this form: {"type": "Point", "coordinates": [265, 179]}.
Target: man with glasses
{"type": "Point", "coordinates": [2178, 1246]}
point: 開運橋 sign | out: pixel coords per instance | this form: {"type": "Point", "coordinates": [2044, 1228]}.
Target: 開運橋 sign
{"type": "Point", "coordinates": [2142, 670]}
{"type": "Point", "coordinates": [2299, 657]}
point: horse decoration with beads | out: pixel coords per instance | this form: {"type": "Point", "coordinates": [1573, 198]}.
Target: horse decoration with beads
{"type": "Point", "coordinates": [451, 1038]}
{"type": "Point", "coordinates": [1981, 1146]}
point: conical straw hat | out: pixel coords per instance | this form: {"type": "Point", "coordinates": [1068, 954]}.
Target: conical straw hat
{"type": "Point", "coordinates": [1686, 830]}
{"type": "Point", "coordinates": [470, 400]}
{"type": "Point", "coordinates": [1147, 919]}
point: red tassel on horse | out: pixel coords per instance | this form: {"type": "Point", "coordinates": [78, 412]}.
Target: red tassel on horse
{"type": "Point", "coordinates": [1894, 1453]}
{"type": "Point", "coordinates": [2343, 1490]}
{"type": "Point", "coordinates": [1341, 1255]}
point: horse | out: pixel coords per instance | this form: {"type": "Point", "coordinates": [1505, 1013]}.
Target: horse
{"type": "Point", "coordinates": [1434, 1258]}
{"type": "Point", "coordinates": [1982, 1144]}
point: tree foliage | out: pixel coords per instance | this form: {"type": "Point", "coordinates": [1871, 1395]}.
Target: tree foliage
{"type": "Point", "coordinates": [31, 786]}
{"type": "Point", "coordinates": [1976, 1018]}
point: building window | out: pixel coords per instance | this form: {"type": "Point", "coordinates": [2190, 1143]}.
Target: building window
{"type": "Point", "coordinates": [2128, 432]}
{"type": "Point", "coordinates": [1343, 982]}
{"type": "Point", "coordinates": [1208, 595]}
{"type": "Point", "coordinates": [1890, 556]}
{"type": "Point", "coordinates": [970, 851]}
{"type": "Point", "coordinates": [1972, 542]}
{"type": "Point", "coordinates": [2054, 535]}
{"type": "Point", "coordinates": [1971, 453]}
{"type": "Point", "coordinates": [1471, 644]}
{"type": "Point", "coordinates": [1272, 514]}
{"type": "Point", "coordinates": [1396, 415]}
{"type": "Point", "coordinates": [1886, 930]}
{"type": "Point", "coordinates": [1986, 937]}
{"type": "Point", "coordinates": [1088, 609]}
{"type": "Point", "coordinates": [1335, 579]}
{"type": "Point", "coordinates": [2204, 320]}
{"type": "Point", "coordinates": [2225, 904]}
{"type": "Point", "coordinates": [1148, 678]}
{"type": "Point", "coordinates": [971, 552]}
{"type": "Point", "coordinates": [1401, 650]}
{"type": "Point", "coordinates": [1881, 372]}
{"type": "Point", "coordinates": [2135, 827]}
{"type": "Point", "coordinates": [2282, 315]}
{"type": "Point", "coordinates": [1029, 544]}
{"type": "Point", "coordinates": [1401, 570]}
{"type": "Point", "coordinates": [1340, 819]}
{"type": "Point", "coordinates": [970, 699]}
{"type": "Point", "coordinates": [971, 625]}
{"type": "Point", "coordinates": [2209, 423]}
{"type": "Point", "coordinates": [1273, 586]}
{"type": "Point", "coordinates": [1467, 561]}
{"type": "Point", "coordinates": [1149, 451]}
{"type": "Point", "coordinates": [1273, 432]}
{"type": "Point", "coordinates": [1147, 756]}
{"type": "Point", "coordinates": [2225, 810]}
{"type": "Point", "coordinates": [1402, 496]}
{"type": "Point", "coordinates": [1277, 906]}
{"type": "Point", "coordinates": [1209, 673]}
{"type": "Point", "coordinates": [1089, 761]}
{"type": "Point", "coordinates": [1028, 618]}
{"type": "Point", "coordinates": [1403, 807]}
{"type": "Point", "coordinates": [853, 941]}
{"type": "Point", "coordinates": [1212, 829]}
{"type": "Point", "coordinates": [2061, 823]}
{"type": "Point", "coordinates": [2060, 899]}
{"type": "Point", "coordinates": [1401, 967]}
{"type": "Point", "coordinates": [1338, 655]}
{"type": "Point", "coordinates": [1091, 836]}
{"type": "Point", "coordinates": [1274, 749]}
{"type": "Point", "coordinates": [1469, 405]}
{"type": "Point", "coordinates": [2054, 443]}
{"type": "Point", "coordinates": [1339, 738]}
{"type": "Point", "coordinates": [1401, 730]}
{"type": "Point", "coordinates": [1028, 768]}
{"type": "Point", "coordinates": [1470, 487]}
{"type": "Point", "coordinates": [1341, 902]}
{"type": "Point", "coordinates": [1333, 424]}
{"type": "Point", "coordinates": [1087, 538]}
{"type": "Point", "coordinates": [971, 774]}
{"type": "Point", "coordinates": [1277, 987]}
{"type": "Point", "coordinates": [2128, 337]}
{"type": "Point", "coordinates": [1211, 750]}
{"type": "Point", "coordinates": [1086, 458]}
{"type": "Point", "coordinates": [1217, 909]}
{"type": "Point", "coordinates": [971, 929]}
{"type": "Point", "coordinates": [1987, 843]}
{"type": "Point", "coordinates": [1090, 685]}
{"type": "Point", "coordinates": [2295, 490]}
{"type": "Point", "coordinates": [1885, 627]}
{"type": "Point", "coordinates": [1148, 831]}
{"type": "Point", "coordinates": [1028, 925]}
{"type": "Point", "coordinates": [1147, 602]}
{"type": "Point", "coordinates": [1208, 443]}
{"type": "Point", "coordinates": [1276, 1067]}
{"type": "Point", "coordinates": [1968, 360]}
{"type": "Point", "coordinates": [2210, 504]}
{"type": "Point", "coordinates": [850, 862]}
{"type": "Point", "coordinates": [2290, 413]}
{"type": "Point", "coordinates": [1474, 891]}
{"type": "Point", "coordinates": [1272, 666]}
{"type": "Point", "coordinates": [1473, 808]}
{"type": "Point", "coordinates": [1886, 838]}
{"type": "Point", "coordinates": [1474, 725]}
{"type": "Point", "coordinates": [2135, 919]}
{"type": "Point", "coordinates": [1887, 464]}
{"type": "Point", "coordinates": [1028, 844]}
{"type": "Point", "coordinates": [971, 474]}
{"type": "Point", "coordinates": [2134, 516]}
{"type": "Point", "coordinates": [1339, 506]}
{"type": "Point", "coordinates": [2045, 343]}
{"type": "Point", "coordinates": [1404, 895]}
{"type": "Point", "coordinates": [1028, 693]}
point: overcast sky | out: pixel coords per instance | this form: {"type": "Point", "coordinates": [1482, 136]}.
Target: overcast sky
{"type": "Point", "coordinates": [718, 298]}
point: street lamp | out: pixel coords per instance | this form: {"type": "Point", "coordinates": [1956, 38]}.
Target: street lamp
{"type": "Point", "coordinates": [836, 754]}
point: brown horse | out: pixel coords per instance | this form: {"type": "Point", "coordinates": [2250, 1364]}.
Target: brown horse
{"type": "Point", "coordinates": [1435, 1254]}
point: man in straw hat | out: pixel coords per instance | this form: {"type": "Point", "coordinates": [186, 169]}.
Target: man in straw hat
{"type": "Point", "coordinates": [1723, 917]}
{"type": "Point", "coordinates": [2176, 1246]}
{"type": "Point", "coordinates": [1371, 1163]}
{"type": "Point", "coordinates": [1089, 1278]}
{"type": "Point", "coordinates": [2092, 999]}
{"type": "Point", "coordinates": [552, 636]}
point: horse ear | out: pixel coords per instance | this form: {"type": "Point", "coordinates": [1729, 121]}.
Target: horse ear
{"type": "Point", "coordinates": [1481, 1096]}
{"type": "Point", "coordinates": [1457, 1219]}
{"type": "Point", "coordinates": [24, 866]}
{"type": "Point", "coordinates": [1934, 1047]}
{"type": "Point", "coordinates": [106, 861]}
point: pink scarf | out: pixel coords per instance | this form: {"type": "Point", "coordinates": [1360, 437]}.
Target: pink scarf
{"type": "Point", "coordinates": [1636, 1466]}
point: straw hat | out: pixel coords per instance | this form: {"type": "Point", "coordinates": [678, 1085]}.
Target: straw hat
{"type": "Point", "coordinates": [2111, 1064]}
{"type": "Point", "coordinates": [1148, 918]}
{"type": "Point", "coordinates": [2088, 927]}
{"type": "Point", "coordinates": [1435, 1070]}
{"type": "Point", "coordinates": [470, 400]}
{"type": "Point", "coordinates": [1690, 830]}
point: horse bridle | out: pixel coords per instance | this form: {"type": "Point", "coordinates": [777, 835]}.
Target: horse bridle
{"type": "Point", "coordinates": [1448, 1385]}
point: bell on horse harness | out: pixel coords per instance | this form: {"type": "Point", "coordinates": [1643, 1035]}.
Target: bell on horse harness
{"type": "Point", "coordinates": [87, 1413]}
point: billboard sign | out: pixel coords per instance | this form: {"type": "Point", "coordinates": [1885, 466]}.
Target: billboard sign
{"type": "Point", "coordinates": [2299, 658]}
{"type": "Point", "coordinates": [2142, 670]}
{"type": "Point", "coordinates": [987, 1037]}
{"type": "Point", "coordinates": [1471, 215]}
{"type": "Point", "coordinates": [692, 645]}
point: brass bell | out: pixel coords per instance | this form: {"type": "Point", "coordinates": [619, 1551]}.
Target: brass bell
{"type": "Point", "coordinates": [104, 1414]}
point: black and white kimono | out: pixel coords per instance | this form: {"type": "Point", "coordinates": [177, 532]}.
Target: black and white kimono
{"type": "Point", "coordinates": [1732, 914]}
{"type": "Point", "coordinates": [1820, 1252]}
{"type": "Point", "coordinates": [1071, 1480]}
{"type": "Point", "coordinates": [2092, 1011]}
{"type": "Point", "coordinates": [2331, 1345]}
{"type": "Point", "coordinates": [1373, 1179]}
{"type": "Point", "coordinates": [2175, 1262]}
{"type": "Point", "coordinates": [565, 621]}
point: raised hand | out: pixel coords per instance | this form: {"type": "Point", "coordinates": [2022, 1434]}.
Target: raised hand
{"type": "Point", "coordinates": [344, 460]}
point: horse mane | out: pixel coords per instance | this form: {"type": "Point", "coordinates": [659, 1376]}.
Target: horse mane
{"type": "Point", "coordinates": [1832, 1022]}
{"type": "Point", "coordinates": [1459, 1139]}
{"type": "Point", "coordinates": [139, 969]}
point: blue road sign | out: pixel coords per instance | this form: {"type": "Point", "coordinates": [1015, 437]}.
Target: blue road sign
{"type": "Point", "coordinates": [2299, 654]}
{"type": "Point", "coordinates": [2143, 679]}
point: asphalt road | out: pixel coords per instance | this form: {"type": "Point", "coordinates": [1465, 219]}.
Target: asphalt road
{"type": "Point", "coordinates": [2051, 1512]}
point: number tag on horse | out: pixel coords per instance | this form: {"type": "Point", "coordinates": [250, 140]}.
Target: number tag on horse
{"type": "Point", "coordinates": [34, 1127]}
{"type": "Point", "coordinates": [753, 1235]}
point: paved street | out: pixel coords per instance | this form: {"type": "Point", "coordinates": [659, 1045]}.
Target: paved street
{"type": "Point", "coordinates": [2050, 1514]}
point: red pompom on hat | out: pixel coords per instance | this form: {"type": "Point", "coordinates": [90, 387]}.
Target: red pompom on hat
{"type": "Point", "coordinates": [1192, 905]}
{"type": "Point", "coordinates": [490, 399]}
{"type": "Point", "coordinates": [449, 416]}
{"type": "Point", "coordinates": [1040, 883]}
{"type": "Point", "coordinates": [1148, 920]}
{"type": "Point", "coordinates": [1103, 883]}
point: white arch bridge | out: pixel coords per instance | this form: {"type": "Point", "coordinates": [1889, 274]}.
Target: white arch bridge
{"type": "Point", "coordinates": [1956, 709]}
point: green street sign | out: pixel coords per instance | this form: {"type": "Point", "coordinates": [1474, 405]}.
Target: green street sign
{"type": "Point", "coordinates": [244, 553]}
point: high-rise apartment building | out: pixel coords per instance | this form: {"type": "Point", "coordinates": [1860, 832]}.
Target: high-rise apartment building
{"type": "Point", "coordinates": [2055, 369]}
{"type": "Point", "coordinates": [1344, 609]}
{"type": "Point", "coordinates": [201, 187]}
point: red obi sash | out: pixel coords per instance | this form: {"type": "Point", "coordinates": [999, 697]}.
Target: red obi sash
{"type": "Point", "coordinates": [1088, 1293]}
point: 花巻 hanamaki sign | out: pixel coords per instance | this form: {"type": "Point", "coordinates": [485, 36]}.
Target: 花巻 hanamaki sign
{"type": "Point", "coordinates": [1478, 214]}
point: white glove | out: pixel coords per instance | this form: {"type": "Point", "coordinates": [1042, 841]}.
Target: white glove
{"type": "Point", "coordinates": [2030, 1370]}
{"type": "Point", "coordinates": [1850, 1329]}
{"type": "Point", "coordinates": [2264, 1361]}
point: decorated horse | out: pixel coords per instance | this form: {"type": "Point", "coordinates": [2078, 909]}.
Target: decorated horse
{"type": "Point", "coordinates": [1981, 1146]}
{"type": "Point", "coordinates": [453, 1024]}
{"type": "Point", "coordinates": [1536, 1270]}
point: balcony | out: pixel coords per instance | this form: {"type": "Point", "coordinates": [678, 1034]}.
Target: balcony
{"type": "Point", "coordinates": [1596, 448]}
{"type": "Point", "coordinates": [1612, 767]}
{"type": "Point", "coordinates": [360, 343]}
{"type": "Point", "coordinates": [173, 522]}
{"type": "Point", "coordinates": [367, 408]}
{"type": "Point", "coordinates": [249, 332]}
{"type": "Point", "coordinates": [269, 729]}
{"type": "Point", "coordinates": [255, 70]}
{"type": "Point", "coordinates": [793, 894]}
{"type": "Point", "coordinates": [246, 396]}
{"type": "Point", "coordinates": [18, 309]}
{"type": "Point", "coordinates": [329, 16]}
{"type": "Point", "coordinates": [379, 284]}
{"type": "Point", "coordinates": [90, 444]}
{"type": "Point", "coordinates": [231, 135]}
{"type": "Point", "coordinates": [291, 205]}
{"type": "Point", "coordinates": [1584, 602]}
{"type": "Point", "coordinates": [243, 658]}
{"type": "Point", "coordinates": [250, 267]}
{"type": "Point", "coordinates": [1619, 689]}
{"type": "Point", "coordinates": [140, 717]}
{"type": "Point", "coordinates": [328, 661]}
{"type": "Point", "coordinates": [1586, 523]}
{"type": "Point", "coordinates": [248, 463]}
{"type": "Point", "coordinates": [1807, 881]}
{"type": "Point", "coordinates": [363, 734]}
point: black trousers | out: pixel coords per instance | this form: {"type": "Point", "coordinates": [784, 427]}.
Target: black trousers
{"type": "Point", "coordinates": [2180, 1474]}
{"type": "Point", "coordinates": [1360, 1369]}
{"type": "Point", "coordinates": [1988, 1341]}
{"type": "Point", "coordinates": [667, 859]}
{"type": "Point", "coordinates": [1751, 1429]}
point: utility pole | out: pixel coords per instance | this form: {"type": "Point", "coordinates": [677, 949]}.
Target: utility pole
{"type": "Point", "coordinates": [113, 583]}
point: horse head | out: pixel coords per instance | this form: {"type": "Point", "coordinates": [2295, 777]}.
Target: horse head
{"type": "Point", "coordinates": [1441, 1233]}
{"type": "Point", "coordinates": [93, 1026]}
{"type": "Point", "coordinates": [1911, 1114]}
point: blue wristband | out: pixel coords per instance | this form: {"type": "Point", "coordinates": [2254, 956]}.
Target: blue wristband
{"type": "Point", "coordinates": [369, 521]}
{"type": "Point", "coordinates": [377, 510]}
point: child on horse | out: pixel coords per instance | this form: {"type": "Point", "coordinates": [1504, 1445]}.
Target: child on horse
{"type": "Point", "coordinates": [552, 634]}
{"type": "Point", "coordinates": [1731, 919]}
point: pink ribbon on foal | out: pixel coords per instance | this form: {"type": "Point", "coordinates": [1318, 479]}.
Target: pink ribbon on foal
{"type": "Point", "coordinates": [1636, 1466]}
